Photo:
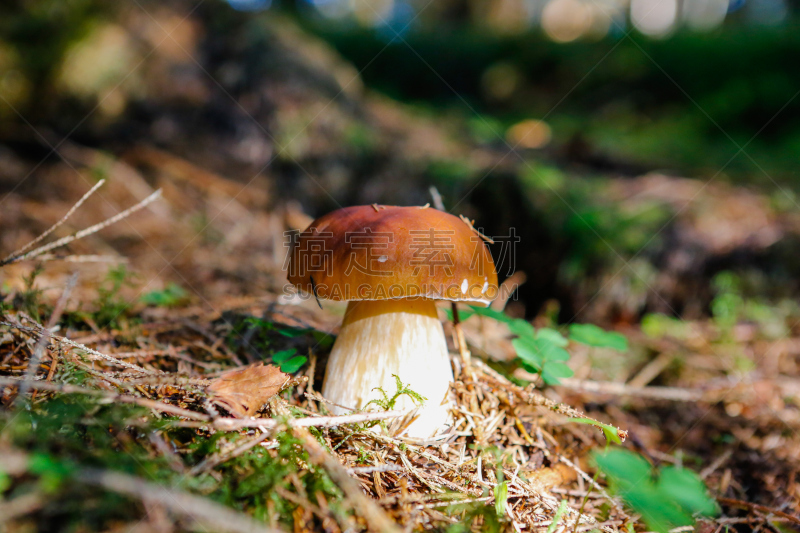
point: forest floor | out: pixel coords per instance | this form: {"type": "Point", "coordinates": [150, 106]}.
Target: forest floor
{"type": "Point", "coordinates": [149, 407]}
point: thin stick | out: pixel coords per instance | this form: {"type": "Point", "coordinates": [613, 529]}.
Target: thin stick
{"type": "Point", "coordinates": [44, 339]}
{"type": "Point", "coordinates": [84, 232]}
{"type": "Point", "coordinates": [460, 340]}
{"type": "Point", "coordinates": [53, 364]}
{"type": "Point", "coordinates": [52, 228]}
{"type": "Point", "coordinates": [120, 398]}
{"type": "Point", "coordinates": [623, 389]}
{"type": "Point", "coordinates": [227, 424]}
{"type": "Point", "coordinates": [437, 198]}
{"type": "Point", "coordinates": [730, 502]}
{"type": "Point", "coordinates": [83, 258]}
{"type": "Point", "coordinates": [718, 462]}
{"type": "Point", "coordinates": [39, 330]}
{"type": "Point", "coordinates": [466, 356]}
{"type": "Point", "coordinates": [372, 469]}
{"type": "Point", "coordinates": [19, 506]}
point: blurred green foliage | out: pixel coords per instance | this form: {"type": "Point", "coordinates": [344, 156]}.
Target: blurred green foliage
{"type": "Point", "coordinates": [731, 305]}
{"type": "Point", "coordinates": [171, 296]}
{"type": "Point", "coordinates": [667, 498]}
{"type": "Point", "coordinates": [686, 103]}
{"type": "Point", "coordinates": [288, 361]}
{"type": "Point", "coordinates": [111, 306]}
{"type": "Point", "coordinates": [34, 37]}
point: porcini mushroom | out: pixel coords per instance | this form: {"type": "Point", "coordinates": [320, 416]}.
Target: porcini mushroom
{"type": "Point", "coordinates": [391, 263]}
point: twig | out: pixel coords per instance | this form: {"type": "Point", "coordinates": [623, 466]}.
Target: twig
{"type": "Point", "coordinates": [651, 370]}
{"type": "Point", "coordinates": [84, 232]}
{"type": "Point", "coordinates": [120, 398]}
{"type": "Point", "coordinates": [44, 339]}
{"type": "Point", "coordinates": [40, 330]}
{"type": "Point", "coordinates": [371, 469]}
{"type": "Point", "coordinates": [84, 258]}
{"type": "Point", "coordinates": [437, 198]}
{"type": "Point", "coordinates": [730, 502]}
{"type": "Point", "coordinates": [11, 257]}
{"type": "Point", "coordinates": [718, 462]}
{"type": "Point", "coordinates": [622, 389]}
{"type": "Point", "coordinates": [227, 424]}
{"type": "Point", "coordinates": [466, 356]}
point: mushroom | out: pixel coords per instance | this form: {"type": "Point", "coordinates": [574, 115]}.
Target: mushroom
{"type": "Point", "coordinates": [391, 264]}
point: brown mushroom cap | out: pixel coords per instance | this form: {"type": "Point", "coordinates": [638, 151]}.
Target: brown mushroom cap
{"type": "Point", "coordinates": [388, 252]}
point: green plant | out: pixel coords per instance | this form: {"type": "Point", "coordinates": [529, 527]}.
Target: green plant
{"type": "Point", "coordinates": [597, 337]}
{"type": "Point", "coordinates": [29, 299]}
{"type": "Point", "coordinates": [387, 404]}
{"type": "Point", "coordinates": [170, 296]}
{"type": "Point", "coordinates": [611, 433]}
{"type": "Point", "coordinates": [657, 325]}
{"type": "Point", "coordinates": [728, 304]}
{"type": "Point", "coordinates": [501, 498]}
{"type": "Point", "coordinates": [288, 361]}
{"type": "Point", "coordinates": [732, 304]}
{"type": "Point", "coordinates": [111, 307]}
{"type": "Point", "coordinates": [562, 508]}
{"type": "Point", "coordinates": [542, 351]}
{"type": "Point", "coordinates": [666, 498]}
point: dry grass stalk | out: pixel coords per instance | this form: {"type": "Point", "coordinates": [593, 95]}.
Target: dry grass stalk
{"type": "Point", "coordinates": [83, 258]}
{"type": "Point", "coordinates": [80, 234]}
{"type": "Point", "coordinates": [44, 339]}
{"type": "Point", "coordinates": [40, 331]}
{"type": "Point", "coordinates": [13, 256]}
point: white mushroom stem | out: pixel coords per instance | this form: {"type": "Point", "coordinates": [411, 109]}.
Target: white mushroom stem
{"type": "Point", "coordinates": [385, 337]}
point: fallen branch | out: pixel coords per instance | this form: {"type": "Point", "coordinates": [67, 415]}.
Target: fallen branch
{"type": "Point", "coordinates": [83, 258]}
{"type": "Point", "coordinates": [202, 510]}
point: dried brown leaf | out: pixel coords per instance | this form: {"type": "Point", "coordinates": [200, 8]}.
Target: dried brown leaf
{"type": "Point", "coordinates": [244, 391]}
